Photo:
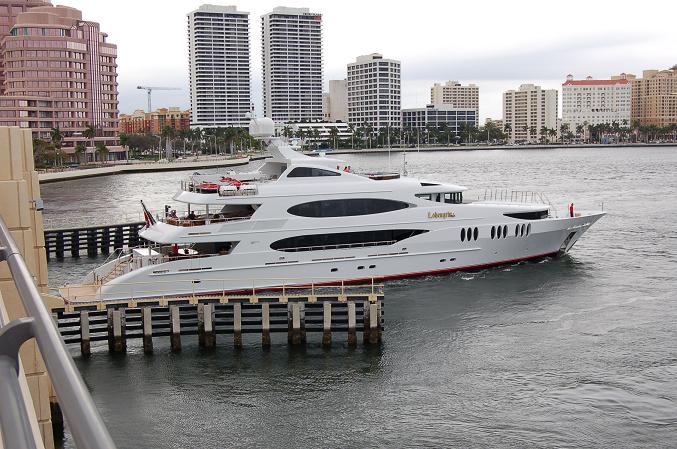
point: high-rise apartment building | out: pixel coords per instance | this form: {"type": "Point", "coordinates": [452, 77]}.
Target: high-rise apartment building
{"type": "Point", "coordinates": [527, 111]}
{"type": "Point", "coordinates": [456, 95]}
{"type": "Point", "coordinates": [9, 10]}
{"type": "Point", "coordinates": [336, 102]}
{"type": "Point", "coordinates": [654, 98]}
{"type": "Point", "coordinates": [374, 91]}
{"type": "Point", "coordinates": [218, 56]}
{"type": "Point", "coordinates": [292, 65]}
{"type": "Point", "coordinates": [60, 72]}
{"type": "Point", "coordinates": [594, 102]}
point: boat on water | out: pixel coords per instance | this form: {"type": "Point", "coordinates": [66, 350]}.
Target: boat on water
{"type": "Point", "coordinates": [313, 220]}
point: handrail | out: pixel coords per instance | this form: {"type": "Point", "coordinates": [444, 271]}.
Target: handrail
{"type": "Point", "coordinates": [86, 425]}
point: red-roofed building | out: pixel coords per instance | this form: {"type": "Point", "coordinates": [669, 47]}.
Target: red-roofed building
{"type": "Point", "coordinates": [592, 101]}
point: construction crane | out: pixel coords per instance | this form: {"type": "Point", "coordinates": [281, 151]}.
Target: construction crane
{"type": "Point", "coordinates": [150, 89]}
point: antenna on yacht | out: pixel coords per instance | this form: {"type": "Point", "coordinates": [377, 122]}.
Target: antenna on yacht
{"type": "Point", "coordinates": [404, 163]}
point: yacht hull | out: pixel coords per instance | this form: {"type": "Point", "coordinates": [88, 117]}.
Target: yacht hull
{"type": "Point", "coordinates": [437, 251]}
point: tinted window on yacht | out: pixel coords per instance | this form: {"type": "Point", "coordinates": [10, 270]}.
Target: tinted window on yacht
{"type": "Point", "coordinates": [346, 207]}
{"type": "Point", "coordinates": [316, 242]}
{"type": "Point", "coordinates": [538, 215]}
{"type": "Point", "coordinates": [309, 172]}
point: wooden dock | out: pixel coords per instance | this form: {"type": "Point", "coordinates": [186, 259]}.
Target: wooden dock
{"type": "Point", "coordinates": [232, 316]}
{"type": "Point", "coordinates": [92, 239]}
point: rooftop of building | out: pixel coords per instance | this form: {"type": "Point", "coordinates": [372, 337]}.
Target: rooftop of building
{"type": "Point", "coordinates": [372, 57]}
{"type": "Point", "coordinates": [223, 9]}
{"type": "Point", "coordinates": [623, 78]}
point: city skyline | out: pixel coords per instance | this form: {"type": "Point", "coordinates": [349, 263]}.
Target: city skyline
{"type": "Point", "coordinates": [500, 54]}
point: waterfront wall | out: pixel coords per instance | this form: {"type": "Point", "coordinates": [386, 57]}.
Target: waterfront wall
{"type": "Point", "coordinates": [20, 207]}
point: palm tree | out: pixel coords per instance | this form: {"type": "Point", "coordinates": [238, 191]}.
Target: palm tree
{"type": "Point", "coordinates": [333, 133]}
{"type": "Point", "coordinates": [563, 129]}
{"type": "Point", "coordinates": [80, 149]}
{"type": "Point", "coordinates": [90, 133]}
{"type": "Point", "coordinates": [102, 149]}
{"type": "Point", "coordinates": [57, 139]}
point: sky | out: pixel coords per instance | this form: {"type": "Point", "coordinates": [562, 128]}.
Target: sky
{"type": "Point", "coordinates": [497, 45]}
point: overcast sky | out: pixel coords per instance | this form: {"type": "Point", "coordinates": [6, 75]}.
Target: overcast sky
{"type": "Point", "coordinates": [497, 45]}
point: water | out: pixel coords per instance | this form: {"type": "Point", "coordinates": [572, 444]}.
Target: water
{"type": "Point", "coordinates": [575, 351]}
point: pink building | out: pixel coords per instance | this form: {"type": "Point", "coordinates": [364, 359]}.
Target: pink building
{"type": "Point", "coordinates": [58, 71]}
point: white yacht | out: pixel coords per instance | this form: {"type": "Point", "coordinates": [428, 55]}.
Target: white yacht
{"type": "Point", "coordinates": [312, 220]}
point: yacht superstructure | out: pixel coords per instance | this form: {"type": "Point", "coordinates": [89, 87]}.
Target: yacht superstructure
{"type": "Point", "coordinates": [312, 220]}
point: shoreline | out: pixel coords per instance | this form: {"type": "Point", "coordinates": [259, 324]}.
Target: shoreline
{"type": "Point", "coordinates": [45, 178]}
{"type": "Point", "coordinates": [491, 147]}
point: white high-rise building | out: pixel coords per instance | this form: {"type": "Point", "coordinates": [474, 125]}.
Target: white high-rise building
{"type": "Point", "coordinates": [292, 65]}
{"type": "Point", "coordinates": [374, 90]}
{"type": "Point", "coordinates": [218, 55]}
{"type": "Point", "coordinates": [456, 95]}
{"type": "Point", "coordinates": [527, 111]}
{"type": "Point", "coordinates": [336, 102]}
{"type": "Point", "coordinates": [594, 102]}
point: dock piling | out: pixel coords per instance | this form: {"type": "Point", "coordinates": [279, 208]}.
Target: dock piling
{"type": "Point", "coordinates": [352, 335]}
{"type": "Point", "coordinates": [205, 325]}
{"type": "Point", "coordinates": [85, 348]}
{"type": "Point", "coordinates": [147, 318]}
{"type": "Point", "coordinates": [117, 341]}
{"type": "Point", "coordinates": [326, 324]}
{"type": "Point", "coordinates": [237, 324]}
{"type": "Point", "coordinates": [175, 328]}
{"type": "Point", "coordinates": [374, 324]}
{"type": "Point", "coordinates": [265, 325]}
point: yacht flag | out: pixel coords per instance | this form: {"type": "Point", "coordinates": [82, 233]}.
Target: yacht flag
{"type": "Point", "coordinates": [150, 221]}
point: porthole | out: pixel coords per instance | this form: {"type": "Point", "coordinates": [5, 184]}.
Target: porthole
{"type": "Point", "coordinates": [529, 229]}
{"type": "Point", "coordinates": [361, 267]}
{"type": "Point", "coordinates": [505, 231]}
{"type": "Point", "coordinates": [372, 266]}
{"type": "Point", "coordinates": [493, 232]}
{"type": "Point", "coordinates": [463, 235]}
{"type": "Point", "coordinates": [334, 270]}
{"type": "Point", "coordinates": [517, 230]}
{"type": "Point", "coordinates": [443, 260]}
{"type": "Point", "coordinates": [476, 234]}
{"type": "Point", "coordinates": [468, 234]}
{"type": "Point", "coordinates": [522, 231]}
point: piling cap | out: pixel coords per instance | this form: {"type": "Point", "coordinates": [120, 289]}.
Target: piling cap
{"type": "Point", "coordinates": [261, 128]}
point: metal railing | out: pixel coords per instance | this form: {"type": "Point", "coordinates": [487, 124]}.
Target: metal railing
{"type": "Point", "coordinates": [87, 427]}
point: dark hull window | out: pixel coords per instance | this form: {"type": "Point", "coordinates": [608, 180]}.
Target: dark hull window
{"type": "Point", "coordinates": [317, 242]}
{"type": "Point", "coordinates": [538, 215]}
{"type": "Point", "coordinates": [346, 207]}
{"type": "Point", "coordinates": [309, 172]}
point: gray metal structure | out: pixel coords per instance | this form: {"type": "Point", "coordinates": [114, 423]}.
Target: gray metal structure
{"type": "Point", "coordinates": [84, 421]}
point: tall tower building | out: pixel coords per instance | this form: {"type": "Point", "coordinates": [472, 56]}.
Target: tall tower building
{"type": "Point", "coordinates": [374, 89]}
{"type": "Point", "coordinates": [528, 110]}
{"type": "Point", "coordinates": [61, 72]}
{"type": "Point", "coordinates": [456, 95]}
{"type": "Point", "coordinates": [292, 65]}
{"type": "Point", "coordinates": [218, 56]}
{"type": "Point", "coordinates": [336, 107]}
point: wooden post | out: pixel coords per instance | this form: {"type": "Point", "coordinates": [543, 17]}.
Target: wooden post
{"type": "Point", "coordinates": [91, 242]}
{"type": "Point", "coordinates": [374, 324]}
{"type": "Point", "coordinates": [205, 325]}
{"type": "Point", "coordinates": [237, 325]}
{"type": "Point", "coordinates": [147, 316]}
{"type": "Point", "coordinates": [265, 325]}
{"type": "Point", "coordinates": [294, 327]}
{"type": "Point", "coordinates": [105, 240]}
{"type": "Point", "coordinates": [116, 331]}
{"type": "Point", "coordinates": [365, 321]}
{"type": "Point", "coordinates": [326, 325]}
{"type": "Point", "coordinates": [175, 328]}
{"type": "Point", "coordinates": [75, 243]}
{"type": "Point", "coordinates": [352, 336]}
{"type": "Point", "coordinates": [84, 333]}
{"type": "Point", "coordinates": [59, 245]}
